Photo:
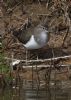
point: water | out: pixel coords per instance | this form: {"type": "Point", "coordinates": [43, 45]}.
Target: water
{"type": "Point", "coordinates": [16, 93]}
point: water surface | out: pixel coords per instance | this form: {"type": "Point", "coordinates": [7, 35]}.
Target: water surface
{"type": "Point", "coordinates": [17, 93]}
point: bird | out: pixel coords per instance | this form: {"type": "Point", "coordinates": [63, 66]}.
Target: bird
{"type": "Point", "coordinates": [32, 37]}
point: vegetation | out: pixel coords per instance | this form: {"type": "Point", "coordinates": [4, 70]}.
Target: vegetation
{"type": "Point", "coordinates": [5, 77]}
{"type": "Point", "coordinates": [3, 66]}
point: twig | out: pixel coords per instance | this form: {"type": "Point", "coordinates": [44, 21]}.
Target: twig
{"type": "Point", "coordinates": [65, 37]}
{"type": "Point", "coordinates": [38, 80]}
{"type": "Point", "coordinates": [32, 76]}
{"type": "Point", "coordinates": [42, 14]}
{"type": "Point", "coordinates": [46, 66]}
{"type": "Point", "coordinates": [41, 60]}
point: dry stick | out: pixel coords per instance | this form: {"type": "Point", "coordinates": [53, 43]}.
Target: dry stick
{"type": "Point", "coordinates": [69, 29]}
{"type": "Point", "coordinates": [54, 66]}
{"type": "Point", "coordinates": [49, 74]}
{"type": "Point", "coordinates": [38, 83]}
{"type": "Point", "coordinates": [65, 37]}
{"type": "Point", "coordinates": [43, 14]}
{"type": "Point", "coordinates": [67, 22]}
{"type": "Point", "coordinates": [32, 77]}
{"type": "Point", "coordinates": [12, 9]}
{"type": "Point", "coordinates": [68, 70]}
{"type": "Point", "coordinates": [55, 71]}
{"type": "Point", "coordinates": [47, 66]}
{"type": "Point", "coordinates": [46, 79]}
{"type": "Point", "coordinates": [40, 60]}
{"type": "Point", "coordinates": [22, 7]}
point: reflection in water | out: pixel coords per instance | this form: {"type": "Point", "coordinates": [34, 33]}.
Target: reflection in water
{"type": "Point", "coordinates": [32, 94]}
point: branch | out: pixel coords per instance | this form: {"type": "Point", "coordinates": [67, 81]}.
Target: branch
{"type": "Point", "coordinates": [47, 66]}
{"type": "Point", "coordinates": [41, 60]}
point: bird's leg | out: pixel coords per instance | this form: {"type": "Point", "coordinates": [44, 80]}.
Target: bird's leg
{"type": "Point", "coordinates": [38, 80]}
{"type": "Point", "coordinates": [37, 56]}
{"type": "Point", "coordinates": [12, 61]}
{"type": "Point", "coordinates": [39, 2]}
{"type": "Point", "coordinates": [26, 56]}
{"type": "Point", "coordinates": [46, 5]}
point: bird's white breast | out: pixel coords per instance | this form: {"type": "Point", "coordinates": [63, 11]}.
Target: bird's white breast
{"type": "Point", "coordinates": [32, 44]}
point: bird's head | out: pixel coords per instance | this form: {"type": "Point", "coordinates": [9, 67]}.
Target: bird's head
{"type": "Point", "coordinates": [41, 28]}
{"type": "Point", "coordinates": [41, 35]}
